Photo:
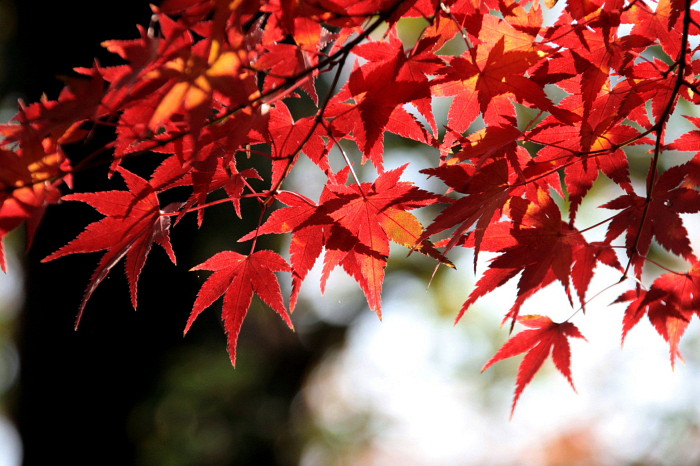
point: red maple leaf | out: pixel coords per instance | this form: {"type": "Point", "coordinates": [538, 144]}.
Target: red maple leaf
{"type": "Point", "coordinates": [379, 90]}
{"type": "Point", "coordinates": [663, 24]}
{"type": "Point", "coordinates": [539, 244]}
{"type": "Point", "coordinates": [494, 176]}
{"type": "Point", "coordinates": [60, 120]}
{"type": "Point", "coordinates": [195, 80]}
{"type": "Point", "coordinates": [284, 62]}
{"type": "Point", "coordinates": [288, 138]}
{"type": "Point", "coordinates": [133, 222]}
{"type": "Point", "coordinates": [131, 82]}
{"type": "Point", "coordinates": [365, 217]}
{"type": "Point", "coordinates": [545, 337]}
{"type": "Point", "coordinates": [689, 141]}
{"type": "Point", "coordinates": [206, 177]}
{"type": "Point", "coordinates": [307, 224]}
{"type": "Point", "coordinates": [489, 77]}
{"type": "Point", "coordinates": [28, 184]}
{"type": "Point", "coordinates": [588, 146]}
{"type": "Point", "coordinates": [295, 19]}
{"type": "Point", "coordinates": [657, 216]}
{"type": "Point", "coordinates": [237, 277]}
{"type": "Point", "coordinates": [354, 223]}
{"type": "Point", "coordinates": [670, 303]}
{"type": "Point", "coordinates": [592, 51]}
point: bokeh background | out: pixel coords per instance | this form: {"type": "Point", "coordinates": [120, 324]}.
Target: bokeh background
{"type": "Point", "coordinates": [345, 389]}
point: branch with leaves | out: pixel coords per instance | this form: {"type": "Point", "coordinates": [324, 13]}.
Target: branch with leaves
{"type": "Point", "coordinates": [537, 114]}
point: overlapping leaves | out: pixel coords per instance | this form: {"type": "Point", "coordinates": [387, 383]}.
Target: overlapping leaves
{"type": "Point", "coordinates": [534, 113]}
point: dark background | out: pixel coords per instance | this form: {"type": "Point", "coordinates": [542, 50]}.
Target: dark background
{"type": "Point", "coordinates": [127, 388]}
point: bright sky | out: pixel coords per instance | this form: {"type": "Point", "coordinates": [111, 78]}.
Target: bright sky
{"type": "Point", "coordinates": [419, 377]}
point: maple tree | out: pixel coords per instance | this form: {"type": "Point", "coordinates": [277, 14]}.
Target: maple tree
{"type": "Point", "coordinates": [538, 113]}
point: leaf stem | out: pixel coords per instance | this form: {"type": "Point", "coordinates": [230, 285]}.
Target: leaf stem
{"type": "Point", "coordinates": [347, 161]}
{"type": "Point", "coordinates": [600, 223]}
{"type": "Point", "coordinates": [583, 306]}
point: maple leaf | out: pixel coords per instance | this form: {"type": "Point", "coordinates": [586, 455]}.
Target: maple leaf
{"type": "Point", "coordinates": [663, 23]}
{"type": "Point", "coordinates": [133, 222]}
{"type": "Point", "coordinates": [237, 277]}
{"type": "Point", "coordinates": [487, 79]}
{"type": "Point", "coordinates": [545, 337]}
{"type": "Point", "coordinates": [60, 120]}
{"type": "Point", "coordinates": [487, 190]}
{"type": "Point", "coordinates": [27, 184]}
{"type": "Point", "coordinates": [355, 224]}
{"type": "Point", "coordinates": [307, 224]}
{"type": "Point", "coordinates": [584, 149]}
{"type": "Point", "coordinates": [175, 92]}
{"type": "Point", "coordinates": [365, 217]}
{"type": "Point", "coordinates": [494, 178]}
{"type": "Point", "coordinates": [206, 177]}
{"type": "Point", "coordinates": [657, 217]}
{"type": "Point", "coordinates": [295, 19]}
{"type": "Point", "coordinates": [221, 139]}
{"type": "Point", "coordinates": [539, 244]}
{"type": "Point", "coordinates": [195, 79]}
{"type": "Point", "coordinates": [285, 61]}
{"type": "Point", "coordinates": [689, 141]}
{"type": "Point", "coordinates": [592, 52]}
{"type": "Point", "coordinates": [670, 303]}
{"type": "Point", "coordinates": [288, 138]}
{"type": "Point", "coordinates": [130, 83]}
{"type": "Point", "coordinates": [413, 66]}
{"type": "Point", "coordinates": [379, 90]}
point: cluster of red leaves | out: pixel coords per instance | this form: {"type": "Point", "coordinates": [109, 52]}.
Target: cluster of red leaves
{"type": "Point", "coordinates": [537, 114]}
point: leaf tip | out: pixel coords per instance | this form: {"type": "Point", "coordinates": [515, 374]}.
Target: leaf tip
{"type": "Point", "coordinates": [515, 403]}
{"type": "Point", "coordinates": [288, 320]}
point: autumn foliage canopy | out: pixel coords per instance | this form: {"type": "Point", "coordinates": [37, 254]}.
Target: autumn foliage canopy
{"type": "Point", "coordinates": [537, 114]}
